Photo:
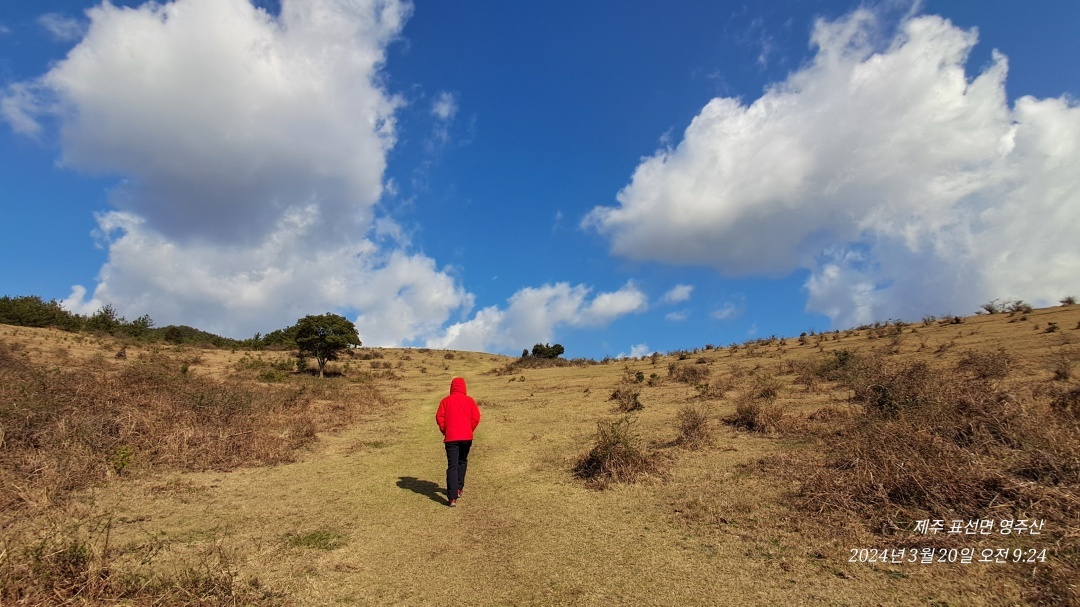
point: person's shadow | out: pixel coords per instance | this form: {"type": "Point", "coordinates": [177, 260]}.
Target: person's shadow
{"type": "Point", "coordinates": [428, 488]}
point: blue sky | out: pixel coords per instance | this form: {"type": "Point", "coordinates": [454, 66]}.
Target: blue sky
{"type": "Point", "coordinates": [488, 175]}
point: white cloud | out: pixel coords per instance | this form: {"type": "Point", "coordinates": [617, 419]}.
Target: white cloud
{"type": "Point", "coordinates": [677, 294]}
{"type": "Point", "coordinates": [17, 108]}
{"type": "Point", "coordinates": [900, 184]}
{"type": "Point", "coordinates": [727, 311]}
{"type": "Point", "coordinates": [608, 306]}
{"type": "Point", "coordinates": [252, 150]}
{"type": "Point", "coordinates": [534, 313]}
{"type": "Point", "coordinates": [221, 118]}
{"type": "Point", "coordinates": [636, 351]}
{"type": "Point", "coordinates": [445, 106]}
{"type": "Point", "coordinates": [240, 290]}
{"type": "Point", "coordinates": [677, 316]}
{"type": "Point", "coordinates": [61, 28]}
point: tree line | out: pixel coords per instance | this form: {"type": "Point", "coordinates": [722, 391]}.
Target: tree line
{"type": "Point", "coordinates": [321, 336]}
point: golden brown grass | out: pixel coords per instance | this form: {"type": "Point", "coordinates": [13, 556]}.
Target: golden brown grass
{"type": "Point", "coordinates": [67, 428]}
{"type": "Point", "coordinates": [728, 519]}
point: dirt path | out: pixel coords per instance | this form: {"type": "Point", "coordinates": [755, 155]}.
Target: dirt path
{"type": "Point", "coordinates": [524, 533]}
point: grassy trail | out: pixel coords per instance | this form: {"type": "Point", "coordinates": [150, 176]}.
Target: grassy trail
{"type": "Point", "coordinates": [360, 517]}
{"type": "Point", "coordinates": [525, 533]}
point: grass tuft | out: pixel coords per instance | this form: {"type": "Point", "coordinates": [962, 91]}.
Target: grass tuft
{"type": "Point", "coordinates": [322, 539]}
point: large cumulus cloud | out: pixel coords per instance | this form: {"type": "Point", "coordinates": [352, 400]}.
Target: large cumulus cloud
{"type": "Point", "coordinates": [251, 150]}
{"type": "Point", "coordinates": [903, 186]}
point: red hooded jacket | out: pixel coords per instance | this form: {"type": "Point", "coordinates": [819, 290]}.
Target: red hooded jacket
{"type": "Point", "coordinates": [458, 414]}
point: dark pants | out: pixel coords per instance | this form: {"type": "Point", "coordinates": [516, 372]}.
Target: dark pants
{"type": "Point", "coordinates": [457, 459]}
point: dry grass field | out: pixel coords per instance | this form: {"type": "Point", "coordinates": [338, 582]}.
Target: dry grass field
{"type": "Point", "coordinates": [735, 475]}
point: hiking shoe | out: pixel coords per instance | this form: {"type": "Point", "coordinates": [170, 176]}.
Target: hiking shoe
{"type": "Point", "coordinates": [453, 503]}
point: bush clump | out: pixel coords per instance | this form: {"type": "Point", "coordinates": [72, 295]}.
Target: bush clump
{"type": "Point", "coordinates": [756, 410]}
{"type": "Point", "coordinates": [617, 456]}
{"type": "Point", "coordinates": [928, 443]}
{"type": "Point", "coordinates": [64, 429]}
{"type": "Point", "coordinates": [72, 564]}
{"type": "Point", "coordinates": [757, 416]}
{"type": "Point", "coordinates": [688, 374]}
{"type": "Point", "coordinates": [627, 398]}
{"type": "Point", "coordinates": [694, 430]}
{"type": "Point", "coordinates": [986, 365]}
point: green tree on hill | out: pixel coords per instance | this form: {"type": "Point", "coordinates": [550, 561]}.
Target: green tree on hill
{"type": "Point", "coordinates": [104, 321]}
{"type": "Point", "coordinates": [322, 337]}
{"type": "Point", "coordinates": [33, 311]}
{"type": "Point", "coordinates": [547, 351]}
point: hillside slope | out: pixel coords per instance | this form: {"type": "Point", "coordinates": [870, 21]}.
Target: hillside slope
{"type": "Point", "coordinates": [360, 518]}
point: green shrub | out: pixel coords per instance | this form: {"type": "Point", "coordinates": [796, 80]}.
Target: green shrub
{"type": "Point", "coordinates": [32, 311]}
{"type": "Point", "coordinates": [548, 351]}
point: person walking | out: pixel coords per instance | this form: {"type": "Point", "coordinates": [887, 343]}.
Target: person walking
{"type": "Point", "coordinates": [457, 417]}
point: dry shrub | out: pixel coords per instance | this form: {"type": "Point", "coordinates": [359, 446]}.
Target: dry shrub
{"type": "Point", "coordinates": [688, 374]}
{"type": "Point", "coordinates": [73, 564]}
{"type": "Point", "coordinates": [848, 367]}
{"type": "Point", "coordinates": [1067, 404]}
{"type": "Point", "coordinates": [765, 388]}
{"type": "Point", "coordinates": [986, 365]}
{"type": "Point", "coordinates": [617, 457]}
{"type": "Point", "coordinates": [809, 381]}
{"type": "Point", "coordinates": [806, 374]}
{"type": "Point", "coordinates": [627, 399]}
{"type": "Point", "coordinates": [933, 444]}
{"type": "Point", "coordinates": [889, 389]}
{"type": "Point", "coordinates": [536, 362]}
{"type": "Point", "coordinates": [930, 444]}
{"type": "Point", "coordinates": [714, 389]}
{"type": "Point", "coordinates": [67, 429]}
{"type": "Point", "coordinates": [694, 430]}
{"type": "Point", "coordinates": [828, 415]}
{"type": "Point", "coordinates": [757, 415]}
{"type": "Point", "coordinates": [963, 451]}
{"type": "Point", "coordinates": [888, 466]}
{"type": "Point", "coordinates": [756, 410]}
{"type": "Point", "coordinates": [1061, 364]}
{"type": "Point", "coordinates": [63, 430]}
{"type": "Point", "coordinates": [820, 424]}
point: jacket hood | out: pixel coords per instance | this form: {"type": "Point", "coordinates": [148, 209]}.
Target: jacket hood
{"type": "Point", "coordinates": [457, 385]}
